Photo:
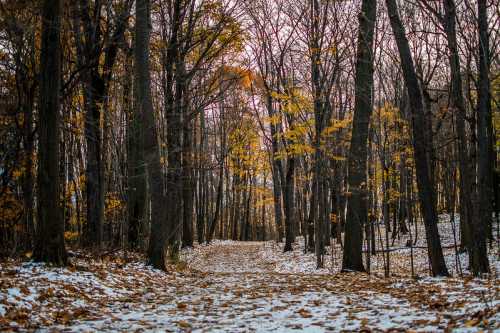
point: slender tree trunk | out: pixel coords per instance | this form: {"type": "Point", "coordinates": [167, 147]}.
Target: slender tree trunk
{"type": "Point", "coordinates": [319, 117]}
{"type": "Point", "coordinates": [276, 170]}
{"type": "Point", "coordinates": [188, 185]}
{"type": "Point", "coordinates": [218, 204]}
{"type": "Point", "coordinates": [289, 202]}
{"type": "Point", "coordinates": [466, 173]}
{"type": "Point", "coordinates": [202, 217]}
{"type": "Point", "coordinates": [49, 246]}
{"type": "Point", "coordinates": [312, 216]}
{"type": "Point", "coordinates": [235, 216]}
{"type": "Point", "coordinates": [427, 195]}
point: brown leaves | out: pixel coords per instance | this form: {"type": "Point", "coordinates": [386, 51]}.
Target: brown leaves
{"type": "Point", "coordinates": [304, 313]}
{"type": "Point", "coordinates": [181, 306]}
{"type": "Point", "coordinates": [107, 291]}
{"type": "Point", "coordinates": [44, 295]}
{"type": "Point", "coordinates": [183, 324]}
{"type": "Point", "coordinates": [18, 315]}
{"type": "Point", "coordinates": [24, 290]}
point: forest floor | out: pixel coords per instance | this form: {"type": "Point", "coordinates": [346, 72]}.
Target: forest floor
{"type": "Point", "coordinates": [241, 287]}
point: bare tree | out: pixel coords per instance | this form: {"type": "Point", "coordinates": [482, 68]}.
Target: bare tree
{"type": "Point", "coordinates": [426, 193]}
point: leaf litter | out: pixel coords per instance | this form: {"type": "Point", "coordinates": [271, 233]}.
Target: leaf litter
{"type": "Point", "coordinates": [240, 287]}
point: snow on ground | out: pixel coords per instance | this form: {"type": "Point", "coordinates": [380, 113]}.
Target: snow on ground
{"type": "Point", "coordinates": [399, 260]}
{"type": "Point", "coordinates": [241, 287]}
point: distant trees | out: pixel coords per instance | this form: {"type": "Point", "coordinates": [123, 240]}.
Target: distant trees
{"type": "Point", "coordinates": [97, 51]}
{"type": "Point", "coordinates": [273, 64]}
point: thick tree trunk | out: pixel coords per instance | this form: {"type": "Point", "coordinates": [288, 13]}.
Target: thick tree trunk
{"type": "Point", "coordinates": [28, 179]}
{"type": "Point", "coordinates": [357, 211]}
{"type": "Point", "coordinates": [174, 173]}
{"type": "Point", "coordinates": [94, 93]}
{"type": "Point", "coordinates": [157, 250]}
{"type": "Point", "coordinates": [426, 193]}
{"type": "Point", "coordinates": [136, 180]}
{"type": "Point", "coordinates": [168, 247]}
{"type": "Point", "coordinates": [482, 225]}
{"type": "Point", "coordinates": [49, 245]}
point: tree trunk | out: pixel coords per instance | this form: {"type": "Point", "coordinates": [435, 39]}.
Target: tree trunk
{"type": "Point", "coordinates": [276, 170]}
{"type": "Point", "coordinates": [312, 216]}
{"type": "Point", "coordinates": [157, 251]}
{"type": "Point", "coordinates": [218, 204]}
{"type": "Point", "coordinates": [357, 181]}
{"type": "Point", "coordinates": [235, 209]}
{"type": "Point", "coordinates": [289, 202]}
{"type": "Point", "coordinates": [479, 254]}
{"type": "Point", "coordinates": [94, 93]}
{"type": "Point", "coordinates": [458, 107]}
{"type": "Point", "coordinates": [49, 245]}
{"type": "Point", "coordinates": [202, 217]}
{"type": "Point", "coordinates": [28, 179]}
{"type": "Point", "coordinates": [426, 191]}
{"type": "Point", "coordinates": [188, 185]}
{"type": "Point", "coordinates": [136, 180]}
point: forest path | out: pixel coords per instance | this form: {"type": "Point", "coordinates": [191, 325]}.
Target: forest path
{"type": "Point", "coordinates": [236, 287]}
{"type": "Point", "coordinates": [231, 257]}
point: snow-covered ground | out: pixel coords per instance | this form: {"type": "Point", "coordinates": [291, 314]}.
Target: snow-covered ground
{"type": "Point", "coordinates": [399, 255]}
{"type": "Point", "coordinates": [243, 287]}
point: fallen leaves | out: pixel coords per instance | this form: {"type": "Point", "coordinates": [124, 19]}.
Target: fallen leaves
{"type": "Point", "coordinates": [116, 295]}
{"type": "Point", "coordinates": [304, 313]}
{"type": "Point", "coordinates": [184, 324]}
{"type": "Point", "coordinates": [181, 306]}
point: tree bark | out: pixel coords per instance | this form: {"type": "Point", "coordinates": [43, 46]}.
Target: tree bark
{"type": "Point", "coordinates": [480, 263]}
{"type": "Point", "coordinates": [49, 245]}
{"type": "Point", "coordinates": [157, 250]}
{"type": "Point", "coordinates": [289, 202]}
{"type": "Point", "coordinates": [188, 183]}
{"type": "Point", "coordinates": [136, 180]}
{"type": "Point", "coordinates": [357, 211]}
